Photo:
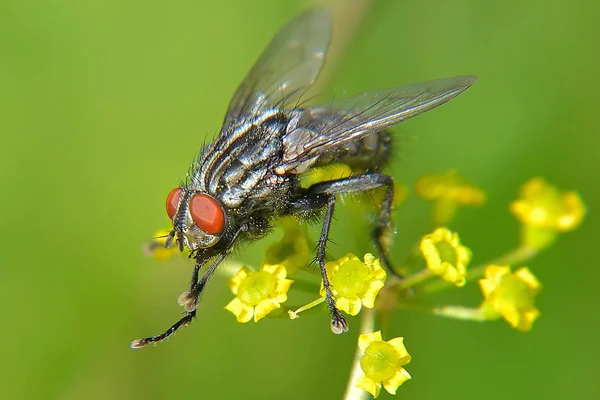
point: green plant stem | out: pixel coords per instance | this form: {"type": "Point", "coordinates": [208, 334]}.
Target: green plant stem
{"type": "Point", "coordinates": [367, 325]}
{"type": "Point", "coordinates": [459, 312]}
{"type": "Point", "coordinates": [413, 280]}
{"type": "Point", "coordinates": [448, 311]}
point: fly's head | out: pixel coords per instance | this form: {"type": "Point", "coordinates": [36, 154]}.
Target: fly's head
{"type": "Point", "coordinates": [198, 219]}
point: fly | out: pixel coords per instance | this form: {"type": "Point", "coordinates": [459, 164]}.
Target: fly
{"type": "Point", "coordinates": [251, 173]}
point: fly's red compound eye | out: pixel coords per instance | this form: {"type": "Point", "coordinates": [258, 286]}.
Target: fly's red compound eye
{"type": "Point", "coordinates": [207, 214]}
{"type": "Point", "coordinates": [172, 201]}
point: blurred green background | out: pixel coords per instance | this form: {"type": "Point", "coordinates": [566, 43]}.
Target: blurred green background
{"type": "Point", "coordinates": [103, 105]}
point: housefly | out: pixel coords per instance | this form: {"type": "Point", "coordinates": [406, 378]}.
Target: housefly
{"type": "Point", "coordinates": [250, 174]}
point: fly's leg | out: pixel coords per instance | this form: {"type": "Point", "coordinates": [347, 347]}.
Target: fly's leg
{"type": "Point", "coordinates": [186, 299]}
{"type": "Point", "coordinates": [310, 202]}
{"type": "Point", "coordinates": [338, 322]}
{"type": "Point", "coordinates": [382, 232]}
{"type": "Point", "coordinates": [190, 298]}
{"type": "Point", "coordinates": [323, 194]}
{"type": "Point", "coordinates": [139, 343]}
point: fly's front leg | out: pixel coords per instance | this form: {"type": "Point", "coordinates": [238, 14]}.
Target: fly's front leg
{"type": "Point", "coordinates": [190, 298]}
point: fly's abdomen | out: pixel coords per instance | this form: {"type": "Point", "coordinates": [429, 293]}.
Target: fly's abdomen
{"type": "Point", "coordinates": [370, 152]}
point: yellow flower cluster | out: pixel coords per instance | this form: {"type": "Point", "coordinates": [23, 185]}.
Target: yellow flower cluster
{"type": "Point", "coordinates": [542, 209]}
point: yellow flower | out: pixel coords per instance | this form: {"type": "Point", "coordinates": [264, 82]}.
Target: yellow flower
{"type": "Point", "coordinates": [445, 256]}
{"type": "Point", "coordinates": [544, 206]}
{"type": "Point", "coordinates": [544, 210]}
{"type": "Point", "coordinates": [258, 292]}
{"type": "Point", "coordinates": [156, 247]}
{"type": "Point", "coordinates": [355, 283]}
{"type": "Point", "coordinates": [382, 363]}
{"type": "Point", "coordinates": [292, 250]}
{"type": "Point", "coordinates": [510, 295]}
{"type": "Point", "coordinates": [447, 192]}
{"type": "Point", "coordinates": [449, 186]}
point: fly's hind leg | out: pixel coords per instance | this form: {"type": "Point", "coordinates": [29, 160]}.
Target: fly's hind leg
{"type": "Point", "coordinates": [321, 195]}
{"type": "Point", "coordinates": [383, 231]}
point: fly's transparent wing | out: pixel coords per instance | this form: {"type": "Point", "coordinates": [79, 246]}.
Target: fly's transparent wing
{"type": "Point", "coordinates": [318, 129]}
{"type": "Point", "coordinates": [285, 69]}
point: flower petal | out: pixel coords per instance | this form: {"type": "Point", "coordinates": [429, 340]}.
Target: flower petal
{"type": "Point", "coordinates": [373, 288]}
{"type": "Point", "coordinates": [398, 344]}
{"type": "Point", "coordinates": [241, 310]}
{"type": "Point", "coordinates": [283, 285]}
{"type": "Point", "coordinates": [369, 385]}
{"type": "Point", "coordinates": [264, 307]}
{"type": "Point", "coordinates": [496, 271]}
{"type": "Point", "coordinates": [365, 339]}
{"type": "Point", "coordinates": [527, 319]}
{"type": "Point", "coordinates": [354, 306]}
{"type": "Point", "coordinates": [487, 286]}
{"type": "Point", "coordinates": [234, 282]}
{"type": "Point", "coordinates": [530, 280]}
{"type": "Point", "coordinates": [280, 297]}
{"type": "Point", "coordinates": [350, 305]}
{"type": "Point", "coordinates": [430, 254]}
{"type": "Point", "coordinates": [392, 384]}
{"type": "Point", "coordinates": [277, 270]}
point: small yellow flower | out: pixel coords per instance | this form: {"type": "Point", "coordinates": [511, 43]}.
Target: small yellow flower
{"type": "Point", "coordinates": [544, 210]}
{"type": "Point", "coordinates": [156, 247]}
{"type": "Point", "coordinates": [445, 256]}
{"type": "Point", "coordinates": [510, 295]}
{"type": "Point", "coordinates": [258, 292]}
{"type": "Point", "coordinates": [292, 250]}
{"type": "Point", "coordinates": [544, 206]}
{"type": "Point", "coordinates": [449, 186]}
{"type": "Point", "coordinates": [447, 192]}
{"type": "Point", "coordinates": [355, 283]}
{"type": "Point", "coordinates": [382, 363]}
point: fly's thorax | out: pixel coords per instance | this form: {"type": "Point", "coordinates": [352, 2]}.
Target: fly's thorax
{"type": "Point", "coordinates": [199, 220]}
{"type": "Point", "coordinates": [239, 169]}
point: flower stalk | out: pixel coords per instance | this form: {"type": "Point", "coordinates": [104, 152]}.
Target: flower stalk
{"type": "Point", "coordinates": [353, 392]}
